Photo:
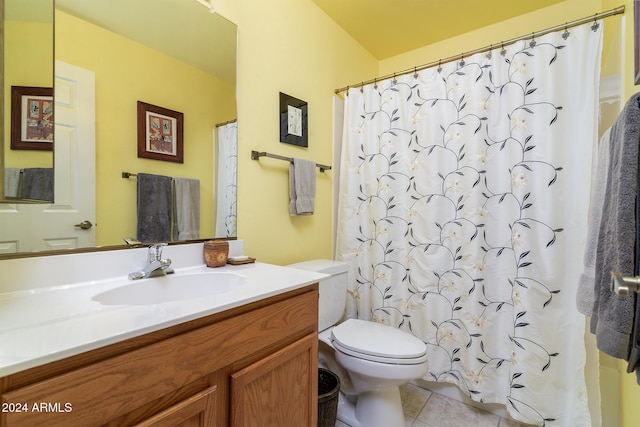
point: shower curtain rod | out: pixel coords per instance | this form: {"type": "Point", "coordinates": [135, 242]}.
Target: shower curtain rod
{"type": "Point", "coordinates": [617, 11]}
{"type": "Point", "coordinates": [228, 122]}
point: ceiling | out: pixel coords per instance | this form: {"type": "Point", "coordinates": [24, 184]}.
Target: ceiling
{"type": "Point", "coordinates": [390, 27]}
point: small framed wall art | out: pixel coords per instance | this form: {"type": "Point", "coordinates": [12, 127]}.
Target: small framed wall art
{"type": "Point", "coordinates": [293, 121]}
{"type": "Point", "coordinates": [160, 133]}
{"type": "Point", "coordinates": [31, 118]}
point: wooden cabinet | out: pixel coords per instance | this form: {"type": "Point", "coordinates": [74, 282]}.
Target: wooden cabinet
{"type": "Point", "coordinates": [255, 365]}
{"type": "Point", "coordinates": [195, 411]}
{"type": "Point", "coordinates": [258, 392]}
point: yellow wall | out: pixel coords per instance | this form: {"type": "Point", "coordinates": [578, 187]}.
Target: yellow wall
{"type": "Point", "coordinates": [125, 73]}
{"type": "Point", "coordinates": [567, 10]}
{"type": "Point", "coordinates": [32, 69]}
{"type": "Point", "coordinates": [288, 46]}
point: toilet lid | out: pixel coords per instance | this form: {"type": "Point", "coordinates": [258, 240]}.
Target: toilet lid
{"type": "Point", "coordinates": [373, 339]}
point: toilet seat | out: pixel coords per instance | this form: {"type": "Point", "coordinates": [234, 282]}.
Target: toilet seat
{"type": "Point", "coordinates": [378, 343]}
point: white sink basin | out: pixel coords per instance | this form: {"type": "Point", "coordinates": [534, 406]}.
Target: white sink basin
{"type": "Point", "coordinates": [172, 287]}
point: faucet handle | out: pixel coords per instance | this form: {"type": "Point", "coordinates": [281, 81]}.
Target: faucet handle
{"type": "Point", "coordinates": [155, 252]}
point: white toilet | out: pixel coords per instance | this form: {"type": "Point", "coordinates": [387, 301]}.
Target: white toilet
{"type": "Point", "coordinates": [371, 359]}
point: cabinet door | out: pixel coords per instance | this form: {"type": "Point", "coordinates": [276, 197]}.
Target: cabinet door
{"type": "Point", "coordinates": [196, 411]}
{"type": "Point", "coordinates": [280, 390]}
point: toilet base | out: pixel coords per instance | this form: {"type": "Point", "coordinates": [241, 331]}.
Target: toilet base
{"type": "Point", "coordinates": [381, 408]}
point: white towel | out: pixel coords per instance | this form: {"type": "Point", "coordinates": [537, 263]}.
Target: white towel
{"type": "Point", "coordinates": [186, 209]}
{"type": "Point", "coordinates": [11, 182]}
{"type": "Point", "coordinates": [302, 187]}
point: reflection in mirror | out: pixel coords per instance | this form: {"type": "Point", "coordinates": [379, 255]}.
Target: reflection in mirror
{"type": "Point", "coordinates": [28, 107]}
{"type": "Point", "coordinates": [226, 178]}
{"type": "Point", "coordinates": [174, 54]}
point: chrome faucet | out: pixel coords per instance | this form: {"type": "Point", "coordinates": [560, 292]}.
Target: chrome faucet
{"type": "Point", "coordinates": [156, 266]}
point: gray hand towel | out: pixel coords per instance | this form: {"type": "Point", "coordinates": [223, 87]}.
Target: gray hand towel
{"type": "Point", "coordinates": [612, 317]}
{"type": "Point", "coordinates": [586, 285]}
{"type": "Point", "coordinates": [11, 182]}
{"type": "Point", "coordinates": [154, 208]}
{"type": "Point", "coordinates": [302, 186]}
{"type": "Point", "coordinates": [186, 208]}
{"type": "Point", "coordinates": [37, 184]}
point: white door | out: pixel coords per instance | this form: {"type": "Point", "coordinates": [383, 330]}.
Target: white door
{"type": "Point", "coordinates": [34, 227]}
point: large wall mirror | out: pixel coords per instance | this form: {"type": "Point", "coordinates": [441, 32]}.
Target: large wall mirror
{"type": "Point", "coordinates": [99, 60]}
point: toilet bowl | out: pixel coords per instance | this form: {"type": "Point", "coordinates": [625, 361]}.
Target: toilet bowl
{"type": "Point", "coordinates": [371, 359]}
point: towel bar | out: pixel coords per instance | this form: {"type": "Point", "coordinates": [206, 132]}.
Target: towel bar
{"type": "Point", "coordinates": [255, 155]}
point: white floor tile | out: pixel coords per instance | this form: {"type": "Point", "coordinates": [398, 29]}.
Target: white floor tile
{"type": "Point", "coordinates": [422, 408]}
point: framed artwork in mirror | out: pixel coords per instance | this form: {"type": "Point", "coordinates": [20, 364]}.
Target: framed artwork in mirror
{"type": "Point", "coordinates": [160, 133]}
{"type": "Point", "coordinates": [31, 118]}
{"type": "Point", "coordinates": [293, 121]}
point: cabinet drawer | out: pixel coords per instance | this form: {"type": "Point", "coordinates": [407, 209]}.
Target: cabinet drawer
{"type": "Point", "coordinates": [105, 390]}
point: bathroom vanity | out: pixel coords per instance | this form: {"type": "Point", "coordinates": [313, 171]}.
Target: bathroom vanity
{"type": "Point", "coordinates": [249, 358]}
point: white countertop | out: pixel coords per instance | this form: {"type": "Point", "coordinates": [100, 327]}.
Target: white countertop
{"type": "Point", "coordinates": [45, 324]}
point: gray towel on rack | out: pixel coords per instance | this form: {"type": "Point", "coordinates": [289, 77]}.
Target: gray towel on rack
{"type": "Point", "coordinates": [634, 351]}
{"type": "Point", "coordinates": [154, 208]}
{"type": "Point", "coordinates": [302, 186]}
{"type": "Point", "coordinates": [37, 184]}
{"type": "Point", "coordinates": [612, 317]}
{"type": "Point", "coordinates": [186, 208]}
{"type": "Point", "coordinates": [586, 285]}
{"type": "Point", "coordinates": [11, 182]}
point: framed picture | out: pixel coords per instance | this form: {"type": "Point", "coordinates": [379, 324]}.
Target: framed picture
{"type": "Point", "coordinates": [160, 133]}
{"type": "Point", "coordinates": [636, 41]}
{"type": "Point", "coordinates": [31, 118]}
{"type": "Point", "coordinates": [293, 121]}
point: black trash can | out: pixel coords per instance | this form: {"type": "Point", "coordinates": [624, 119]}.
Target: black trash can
{"type": "Point", "coordinates": [328, 389]}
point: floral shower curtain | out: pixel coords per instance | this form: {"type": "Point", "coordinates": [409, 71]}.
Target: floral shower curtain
{"type": "Point", "coordinates": [227, 180]}
{"type": "Point", "coordinates": [463, 210]}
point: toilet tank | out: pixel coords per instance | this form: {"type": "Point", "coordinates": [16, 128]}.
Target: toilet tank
{"type": "Point", "coordinates": [333, 290]}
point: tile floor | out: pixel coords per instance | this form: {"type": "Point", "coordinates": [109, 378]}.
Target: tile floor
{"type": "Point", "coordinates": [423, 408]}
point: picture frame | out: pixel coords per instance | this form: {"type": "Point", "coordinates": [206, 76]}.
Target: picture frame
{"type": "Point", "coordinates": [293, 121]}
{"type": "Point", "coordinates": [32, 122]}
{"type": "Point", "coordinates": [636, 41]}
{"type": "Point", "coordinates": [160, 133]}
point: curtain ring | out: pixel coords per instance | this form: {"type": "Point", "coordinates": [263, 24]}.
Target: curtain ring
{"type": "Point", "coordinates": [488, 55]}
{"type": "Point", "coordinates": [415, 72]}
{"type": "Point", "coordinates": [394, 81]}
{"type": "Point", "coordinates": [375, 83]}
{"type": "Point", "coordinates": [362, 87]}
{"type": "Point", "coordinates": [461, 63]}
{"type": "Point", "coordinates": [503, 51]}
{"type": "Point", "coordinates": [566, 33]}
{"type": "Point", "coordinates": [595, 25]}
{"type": "Point", "coordinates": [439, 65]}
{"type": "Point", "coordinates": [532, 43]}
